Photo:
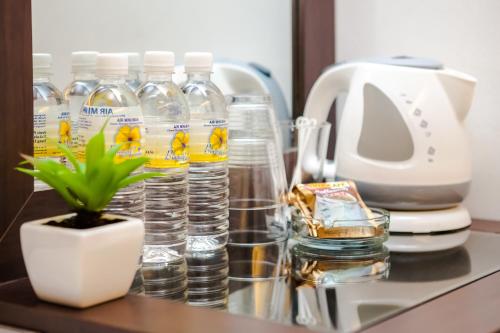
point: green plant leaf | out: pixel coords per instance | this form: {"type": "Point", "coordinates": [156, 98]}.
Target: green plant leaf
{"type": "Point", "coordinates": [101, 182]}
{"type": "Point", "coordinates": [76, 184]}
{"type": "Point", "coordinates": [71, 157]}
{"type": "Point", "coordinates": [94, 151]}
{"type": "Point", "coordinates": [83, 168]}
{"type": "Point", "coordinates": [55, 184]}
{"type": "Point", "coordinates": [113, 150]}
{"type": "Point", "coordinates": [48, 166]}
{"type": "Point", "coordinates": [27, 159]}
{"type": "Point", "coordinates": [126, 167]}
{"type": "Point", "coordinates": [91, 185]}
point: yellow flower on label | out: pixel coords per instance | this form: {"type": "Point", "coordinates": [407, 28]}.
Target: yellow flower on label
{"type": "Point", "coordinates": [129, 138]}
{"type": "Point", "coordinates": [64, 132]}
{"type": "Point", "coordinates": [180, 143]}
{"type": "Point", "coordinates": [218, 138]}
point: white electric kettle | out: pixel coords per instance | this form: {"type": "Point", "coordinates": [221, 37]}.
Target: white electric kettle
{"type": "Point", "coordinates": [401, 137]}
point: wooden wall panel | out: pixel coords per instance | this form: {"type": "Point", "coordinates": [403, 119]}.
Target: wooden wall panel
{"type": "Point", "coordinates": [313, 41]}
{"type": "Point", "coordinates": [16, 109]}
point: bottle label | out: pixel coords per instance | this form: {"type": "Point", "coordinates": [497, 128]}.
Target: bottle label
{"type": "Point", "coordinates": [167, 146]}
{"type": "Point", "coordinates": [51, 125]}
{"type": "Point", "coordinates": [75, 104]}
{"type": "Point", "coordinates": [125, 127]}
{"type": "Point", "coordinates": [208, 141]}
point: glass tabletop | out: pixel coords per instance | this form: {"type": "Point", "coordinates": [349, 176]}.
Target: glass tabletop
{"type": "Point", "coordinates": [341, 292]}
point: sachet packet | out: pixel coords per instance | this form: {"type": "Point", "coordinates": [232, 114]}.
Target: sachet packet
{"type": "Point", "coordinates": [334, 210]}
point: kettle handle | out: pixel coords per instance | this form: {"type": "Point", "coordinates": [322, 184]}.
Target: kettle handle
{"type": "Point", "coordinates": [331, 82]}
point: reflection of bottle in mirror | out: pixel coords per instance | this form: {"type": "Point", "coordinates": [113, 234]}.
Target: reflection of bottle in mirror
{"type": "Point", "coordinates": [51, 123]}
{"type": "Point", "coordinates": [208, 173]}
{"type": "Point", "coordinates": [133, 79]}
{"type": "Point", "coordinates": [166, 119]}
{"type": "Point", "coordinates": [113, 101]}
{"type": "Point", "coordinates": [84, 81]}
{"type": "Point", "coordinates": [207, 278]}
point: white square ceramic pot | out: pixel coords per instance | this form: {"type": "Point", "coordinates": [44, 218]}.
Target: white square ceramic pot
{"type": "Point", "coordinates": [82, 267]}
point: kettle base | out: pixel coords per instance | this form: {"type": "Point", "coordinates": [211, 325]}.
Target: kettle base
{"type": "Point", "coordinates": [417, 243]}
{"type": "Point", "coordinates": [411, 197]}
{"type": "Point", "coordinates": [432, 221]}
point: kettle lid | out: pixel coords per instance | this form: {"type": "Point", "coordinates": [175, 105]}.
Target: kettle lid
{"type": "Point", "coordinates": [405, 61]}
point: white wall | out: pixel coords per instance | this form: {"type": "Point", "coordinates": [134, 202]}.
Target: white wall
{"type": "Point", "coordinates": [464, 35]}
{"type": "Point", "coordinates": [248, 30]}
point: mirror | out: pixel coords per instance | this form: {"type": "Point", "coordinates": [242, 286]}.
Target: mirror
{"type": "Point", "coordinates": [251, 31]}
{"type": "Point", "coordinates": [251, 43]}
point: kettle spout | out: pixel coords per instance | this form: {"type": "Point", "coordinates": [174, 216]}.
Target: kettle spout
{"type": "Point", "coordinates": [460, 89]}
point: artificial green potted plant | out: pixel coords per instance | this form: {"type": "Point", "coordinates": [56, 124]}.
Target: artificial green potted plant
{"type": "Point", "coordinates": [86, 257]}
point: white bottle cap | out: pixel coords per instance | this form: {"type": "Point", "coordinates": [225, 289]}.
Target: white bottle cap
{"type": "Point", "coordinates": [112, 64]}
{"type": "Point", "coordinates": [42, 63]}
{"type": "Point", "coordinates": [159, 61]}
{"type": "Point", "coordinates": [134, 61]}
{"type": "Point", "coordinates": [198, 61]}
{"type": "Point", "coordinates": [83, 61]}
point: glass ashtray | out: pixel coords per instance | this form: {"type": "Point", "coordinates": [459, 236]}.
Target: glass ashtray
{"type": "Point", "coordinates": [348, 234]}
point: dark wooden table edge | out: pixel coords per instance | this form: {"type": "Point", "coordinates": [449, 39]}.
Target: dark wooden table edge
{"type": "Point", "coordinates": [131, 313]}
{"type": "Point", "coordinates": [486, 226]}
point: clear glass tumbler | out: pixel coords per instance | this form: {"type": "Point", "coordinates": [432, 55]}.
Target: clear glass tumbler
{"type": "Point", "coordinates": [257, 193]}
{"type": "Point", "coordinates": [304, 145]}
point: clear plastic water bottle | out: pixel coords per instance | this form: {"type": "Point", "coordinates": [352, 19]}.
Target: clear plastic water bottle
{"type": "Point", "coordinates": [84, 81]}
{"type": "Point", "coordinates": [51, 123]}
{"type": "Point", "coordinates": [166, 119]}
{"type": "Point", "coordinates": [112, 99]}
{"type": "Point", "coordinates": [208, 170]}
{"type": "Point", "coordinates": [133, 80]}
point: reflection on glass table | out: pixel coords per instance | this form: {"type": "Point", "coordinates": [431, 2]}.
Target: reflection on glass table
{"type": "Point", "coordinates": [331, 291]}
{"type": "Point", "coordinates": [318, 278]}
{"type": "Point", "coordinates": [165, 281]}
{"type": "Point", "coordinates": [207, 278]}
{"type": "Point", "coordinates": [342, 294]}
